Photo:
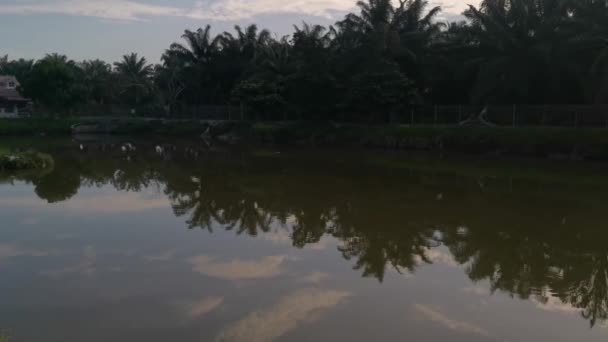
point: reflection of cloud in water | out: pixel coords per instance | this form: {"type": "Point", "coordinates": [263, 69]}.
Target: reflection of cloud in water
{"type": "Point", "coordinates": [29, 221]}
{"type": "Point", "coordinates": [315, 278]}
{"type": "Point", "coordinates": [477, 290]}
{"type": "Point", "coordinates": [437, 256]}
{"type": "Point", "coordinates": [203, 307]}
{"type": "Point", "coordinates": [116, 203]}
{"type": "Point", "coordinates": [8, 251]}
{"type": "Point", "coordinates": [269, 324]}
{"type": "Point", "coordinates": [127, 202]}
{"type": "Point", "coordinates": [449, 323]}
{"type": "Point", "coordinates": [554, 304]}
{"type": "Point", "coordinates": [238, 269]}
{"type": "Point", "coordinates": [283, 237]}
{"type": "Point", "coordinates": [87, 265]}
{"type": "Point", "coordinates": [164, 256]}
{"type": "Point", "coordinates": [277, 236]}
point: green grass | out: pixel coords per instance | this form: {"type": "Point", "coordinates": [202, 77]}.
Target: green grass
{"type": "Point", "coordinates": [565, 142]}
{"type": "Point", "coordinates": [19, 127]}
{"type": "Point", "coordinates": [62, 127]}
{"type": "Point", "coordinates": [4, 337]}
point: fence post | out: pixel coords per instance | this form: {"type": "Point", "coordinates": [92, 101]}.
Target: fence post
{"type": "Point", "coordinates": [412, 116]}
{"type": "Point", "coordinates": [514, 113]}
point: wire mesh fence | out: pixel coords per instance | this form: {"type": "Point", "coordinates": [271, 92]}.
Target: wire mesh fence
{"type": "Point", "coordinates": [509, 116]}
{"type": "Point", "coordinates": [504, 116]}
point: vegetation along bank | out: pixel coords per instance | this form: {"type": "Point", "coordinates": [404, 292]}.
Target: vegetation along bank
{"type": "Point", "coordinates": [545, 142]}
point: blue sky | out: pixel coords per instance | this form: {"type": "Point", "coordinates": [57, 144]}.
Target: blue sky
{"type": "Point", "coordinates": [107, 29]}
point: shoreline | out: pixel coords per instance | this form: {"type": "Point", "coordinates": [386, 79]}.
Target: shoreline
{"type": "Point", "coordinates": [555, 143]}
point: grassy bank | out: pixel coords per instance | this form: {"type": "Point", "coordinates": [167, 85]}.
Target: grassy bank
{"type": "Point", "coordinates": [63, 127]}
{"type": "Point", "coordinates": [22, 127]}
{"type": "Point", "coordinates": [557, 143]}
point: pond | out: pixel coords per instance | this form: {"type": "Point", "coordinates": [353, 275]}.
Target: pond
{"type": "Point", "coordinates": [179, 241]}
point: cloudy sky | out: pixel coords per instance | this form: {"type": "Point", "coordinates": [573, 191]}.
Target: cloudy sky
{"type": "Point", "coordinates": [109, 28]}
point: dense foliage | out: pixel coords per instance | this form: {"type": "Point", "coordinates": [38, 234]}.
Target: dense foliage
{"type": "Point", "coordinates": [365, 67]}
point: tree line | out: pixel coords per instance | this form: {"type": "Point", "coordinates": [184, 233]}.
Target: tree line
{"type": "Point", "coordinates": [388, 56]}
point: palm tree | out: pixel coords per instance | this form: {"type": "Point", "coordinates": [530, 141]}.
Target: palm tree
{"type": "Point", "coordinates": [311, 37]}
{"type": "Point", "coordinates": [199, 49]}
{"type": "Point", "coordinates": [522, 50]}
{"type": "Point", "coordinates": [247, 42]}
{"type": "Point", "coordinates": [193, 61]}
{"type": "Point", "coordinates": [590, 19]}
{"type": "Point", "coordinates": [20, 68]}
{"type": "Point", "coordinates": [96, 75]}
{"type": "Point", "coordinates": [134, 74]}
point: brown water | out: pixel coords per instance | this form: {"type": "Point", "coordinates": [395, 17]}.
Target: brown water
{"type": "Point", "coordinates": [183, 243]}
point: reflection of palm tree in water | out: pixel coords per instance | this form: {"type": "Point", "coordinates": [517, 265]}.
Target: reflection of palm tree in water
{"type": "Point", "coordinates": [379, 241]}
{"type": "Point", "coordinates": [538, 266]}
{"type": "Point", "coordinates": [569, 264]}
{"type": "Point", "coordinates": [511, 261]}
{"type": "Point", "coordinates": [584, 285]}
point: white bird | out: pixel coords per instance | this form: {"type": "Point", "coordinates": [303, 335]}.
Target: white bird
{"type": "Point", "coordinates": [159, 150]}
{"type": "Point", "coordinates": [81, 147]}
{"type": "Point", "coordinates": [128, 147]}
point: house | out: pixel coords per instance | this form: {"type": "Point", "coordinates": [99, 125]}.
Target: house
{"type": "Point", "coordinates": [11, 102]}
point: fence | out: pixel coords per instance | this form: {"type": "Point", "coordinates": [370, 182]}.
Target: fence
{"type": "Point", "coordinates": [202, 112]}
{"type": "Point", "coordinates": [512, 116]}
{"type": "Point", "coordinates": [507, 116]}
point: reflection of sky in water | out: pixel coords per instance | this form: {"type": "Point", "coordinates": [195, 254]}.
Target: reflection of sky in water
{"type": "Point", "coordinates": [107, 265]}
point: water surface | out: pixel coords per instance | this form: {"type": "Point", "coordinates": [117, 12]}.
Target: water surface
{"type": "Point", "coordinates": [180, 242]}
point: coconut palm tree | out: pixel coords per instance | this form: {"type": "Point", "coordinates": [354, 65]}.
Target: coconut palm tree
{"type": "Point", "coordinates": [589, 17]}
{"type": "Point", "coordinates": [247, 42]}
{"type": "Point", "coordinates": [522, 50]}
{"type": "Point", "coordinates": [96, 75]}
{"type": "Point", "coordinates": [194, 61]}
{"type": "Point", "coordinates": [134, 74]}
{"type": "Point", "coordinates": [200, 48]}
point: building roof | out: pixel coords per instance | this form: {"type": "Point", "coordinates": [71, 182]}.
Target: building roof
{"type": "Point", "coordinates": [10, 94]}
{"type": "Point", "coordinates": [4, 80]}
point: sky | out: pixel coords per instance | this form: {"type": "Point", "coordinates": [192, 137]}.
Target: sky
{"type": "Point", "coordinates": [108, 29]}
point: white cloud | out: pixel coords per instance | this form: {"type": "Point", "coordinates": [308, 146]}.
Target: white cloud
{"type": "Point", "coordinates": [449, 323]}
{"type": "Point", "coordinates": [242, 9]}
{"type": "Point", "coordinates": [107, 9]}
{"type": "Point", "coordinates": [227, 10]}
{"type": "Point", "coordinates": [267, 267]}
{"type": "Point", "coordinates": [290, 312]}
